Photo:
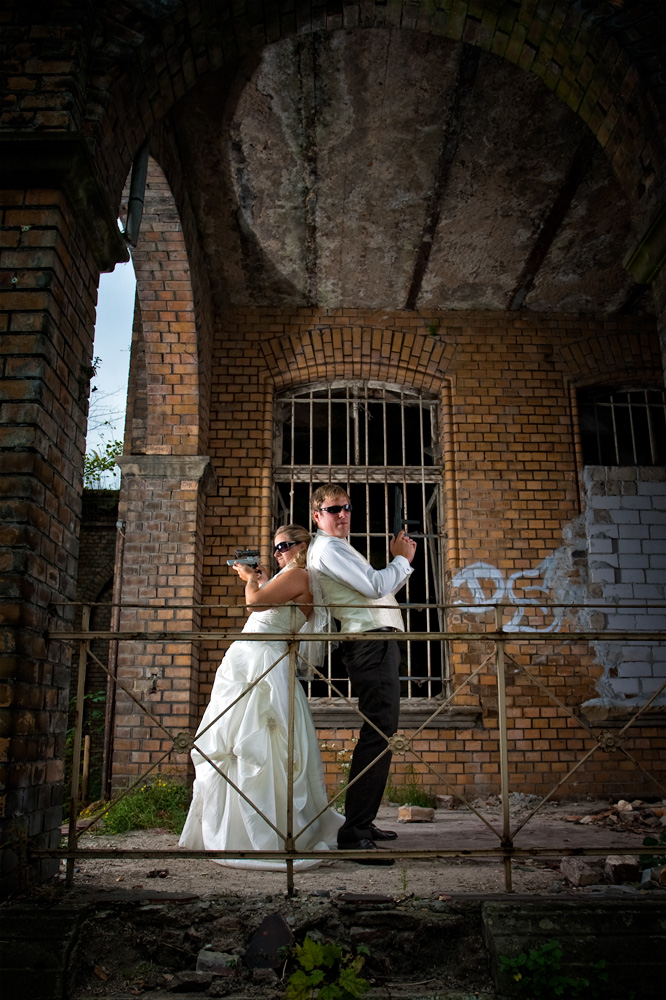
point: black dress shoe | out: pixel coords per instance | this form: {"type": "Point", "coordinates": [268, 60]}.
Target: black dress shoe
{"type": "Point", "coordinates": [367, 845]}
{"type": "Point", "coordinates": [378, 834]}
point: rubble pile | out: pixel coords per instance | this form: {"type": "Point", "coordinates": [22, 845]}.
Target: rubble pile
{"type": "Point", "coordinates": [644, 871]}
{"type": "Point", "coordinates": [630, 817]}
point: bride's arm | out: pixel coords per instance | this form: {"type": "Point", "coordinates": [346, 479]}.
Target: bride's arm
{"type": "Point", "coordinates": [285, 587]}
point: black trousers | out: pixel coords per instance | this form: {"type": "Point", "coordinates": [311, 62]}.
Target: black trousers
{"type": "Point", "coordinates": [373, 669]}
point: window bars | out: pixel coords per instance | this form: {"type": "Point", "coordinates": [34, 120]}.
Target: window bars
{"type": "Point", "coordinates": [381, 444]}
{"type": "Point", "coordinates": [623, 426]}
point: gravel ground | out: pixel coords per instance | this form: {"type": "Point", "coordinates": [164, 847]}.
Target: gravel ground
{"type": "Point", "coordinates": [432, 876]}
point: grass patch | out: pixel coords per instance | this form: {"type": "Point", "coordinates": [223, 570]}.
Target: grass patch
{"type": "Point", "coordinates": [410, 794]}
{"type": "Point", "coordinates": [161, 802]}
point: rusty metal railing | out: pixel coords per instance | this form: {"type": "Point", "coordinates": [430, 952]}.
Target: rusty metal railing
{"type": "Point", "coordinates": [606, 742]}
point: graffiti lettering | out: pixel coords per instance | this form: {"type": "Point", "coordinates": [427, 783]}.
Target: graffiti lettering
{"type": "Point", "coordinates": [474, 577]}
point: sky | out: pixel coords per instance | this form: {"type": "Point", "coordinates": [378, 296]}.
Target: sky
{"type": "Point", "coordinates": [113, 337]}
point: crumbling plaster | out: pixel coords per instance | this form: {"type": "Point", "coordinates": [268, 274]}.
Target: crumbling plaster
{"type": "Point", "coordinates": [614, 553]}
{"type": "Point", "coordinates": [311, 176]}
{"type": "Point", "coordinates": [625, 525]}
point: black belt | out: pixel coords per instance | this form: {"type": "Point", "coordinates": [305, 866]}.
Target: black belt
{"type": "Point", "coordinates": [386, 628]}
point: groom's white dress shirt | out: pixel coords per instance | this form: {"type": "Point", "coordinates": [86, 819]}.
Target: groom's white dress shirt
{"type": "Point", "coordinates": [347, 578]}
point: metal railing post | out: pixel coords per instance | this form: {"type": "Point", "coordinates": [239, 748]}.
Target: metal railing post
{"type": "Point", "coordinates": [289, 842]}
{"type": "Point", "coordinates": [76, 750]}
{"type": "Point", "coordinates": [507, 843]}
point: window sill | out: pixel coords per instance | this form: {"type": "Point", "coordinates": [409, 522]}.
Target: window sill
{"type": "Point", "coordinates": [334, 713]}
{"type": "Point", "coordinates": [613, 717]}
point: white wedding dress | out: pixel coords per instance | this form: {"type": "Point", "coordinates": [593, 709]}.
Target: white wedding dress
{"type": "Point", "coordinates": [249, 744]}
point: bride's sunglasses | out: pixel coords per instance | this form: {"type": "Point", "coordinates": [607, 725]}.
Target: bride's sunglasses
{"type": "Point", "coordinates": [337, 507]}
{"type": "Point", "coordinates": [283, 547]}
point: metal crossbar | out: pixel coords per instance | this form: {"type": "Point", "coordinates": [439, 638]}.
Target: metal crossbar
{"type": "Point", "coordinates": [496, 661]}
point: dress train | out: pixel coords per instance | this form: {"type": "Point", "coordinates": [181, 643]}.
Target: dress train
{"type": "Point", "coordinates": [249, 744]}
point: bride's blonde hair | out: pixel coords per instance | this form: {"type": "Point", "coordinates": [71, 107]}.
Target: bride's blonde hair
{"type": "Point", "coordinates": [296, 533]}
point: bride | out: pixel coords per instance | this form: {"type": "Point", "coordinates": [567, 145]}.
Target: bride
{"type": "Point", "coordinates": [248, 743]}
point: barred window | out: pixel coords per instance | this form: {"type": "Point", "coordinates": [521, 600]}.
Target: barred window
{"type": "Point", "coordinates": [623, 426]}
{"type": "Point", "coordinates": [381, 443]}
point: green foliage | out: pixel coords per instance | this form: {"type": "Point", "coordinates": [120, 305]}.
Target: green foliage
{"type": "Point", "coordinates": [326, 971]}
{"type": "Point", "coordinates": [99, 462]}
{"type": "Point", "coordinates": [653, 860]}
{"type": "Point", "coordinates": [409, 794]}
{"type": "Point", "coordinates": [160, 803]}
{"type": "Point", "coordinates": [537, 974]}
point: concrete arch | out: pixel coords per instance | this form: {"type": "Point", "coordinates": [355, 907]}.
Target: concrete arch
{"type": "Point", "coordinates": [588, 58]}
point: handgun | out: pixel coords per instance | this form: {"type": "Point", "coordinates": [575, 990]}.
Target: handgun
{"type": "Point", "coordinates": [400, 523]}
{"type": "Point", "coordinates": [246, 557]}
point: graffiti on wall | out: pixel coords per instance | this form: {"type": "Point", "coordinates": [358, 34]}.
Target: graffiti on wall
{"type": "Point", "coordinates": [487, 585]}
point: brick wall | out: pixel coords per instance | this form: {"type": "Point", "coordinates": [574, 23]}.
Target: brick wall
{"type": "Point", "coordinates": [161, 505]}
{"type": "Point", "coordinates": [48, 285]}
{"type": "Point", "coordinates": [515, 505]}
{"type": "Point", "coordinates": [168, 330]}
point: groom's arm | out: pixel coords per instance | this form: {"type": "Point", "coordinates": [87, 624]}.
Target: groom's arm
{"type": "Point", "coordinates": [343, 563]}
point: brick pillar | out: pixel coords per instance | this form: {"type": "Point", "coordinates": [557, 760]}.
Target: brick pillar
{"type": "Point", "coordinates": [162, 504]}
{"type": "Point", "coordinates": [48, 285]}
{"type": "Point", "coordinates": [162, 500]}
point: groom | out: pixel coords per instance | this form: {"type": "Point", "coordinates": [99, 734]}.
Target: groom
{"type": "Point", "coordinates": [346, 578]}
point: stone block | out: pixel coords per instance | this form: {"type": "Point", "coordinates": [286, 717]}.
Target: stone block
{"type": "Point", "coordinates": [415, 814]}
{"type": "Point", "coordinates": [654, 876]}
{"type": "Point", "coordinates": [446, 801]}
{"type": "Point", "coordinates": [578, 872]}
{"type": "Point", "coordinates": [190, 982]}
{"type": "Point", "coordinates": [220, 963]}
{"type": "Point", "coordinates": [658, 875]}
{"type": "Point", "coordinates": [266, 947]}
{"type": "Point", "coordinates": [620, 868]}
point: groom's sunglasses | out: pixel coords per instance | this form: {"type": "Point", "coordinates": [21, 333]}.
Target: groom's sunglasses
{"type": "Point", "coordinates": [283, 547]}
{"type": "Point", "coordinates": [337, 507]}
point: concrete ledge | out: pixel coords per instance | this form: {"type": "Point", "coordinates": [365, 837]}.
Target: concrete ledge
{"type": "Point", "coordinates": [190, 467]}
{"type": "Point", "coordinates": [629, 934]}
{"type": "Point", "coordinates": [613, 716]}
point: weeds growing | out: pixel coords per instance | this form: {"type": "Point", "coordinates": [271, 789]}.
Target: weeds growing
{"type": "Point", "coordinates": [409, 794]}
{"type": "Point", "coordinates": [326, 970]}
{"type": "Point", "coordinates": [162, 803]}
{"type": "Point", "coordinates": [537, 973]}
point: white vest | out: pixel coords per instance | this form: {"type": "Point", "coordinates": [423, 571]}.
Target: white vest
{"type": "Point", "coordinates": [383, 612]}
